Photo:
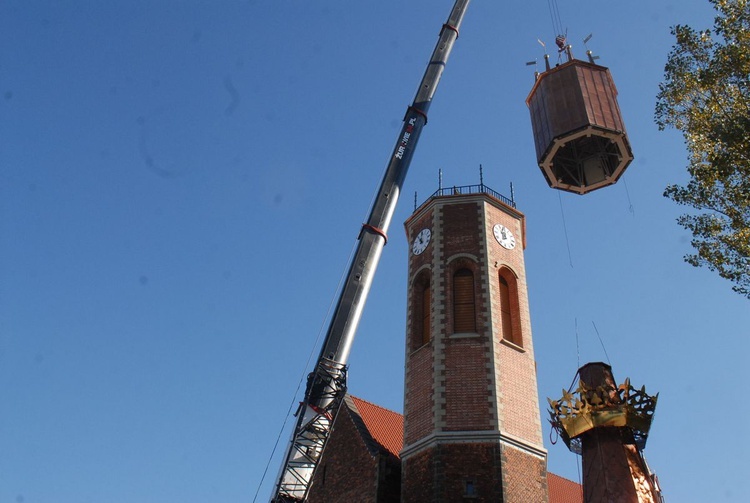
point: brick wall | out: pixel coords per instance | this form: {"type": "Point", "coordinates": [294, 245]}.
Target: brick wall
{"type": "Point", "coordinates": [515, 368]}
{"type": "Point", "coordinates": [417, 479]}
{"type": "Point", "coordinates": [468, 398]}
{"type": "Point", "coordinates": [455, 472]}
{"type": "Point", "coordinates": [460, 229]}
{"type": "Point", "coordinates": [347, 471]}
{"type": "Point", "coordinates": [524, 477]}
{"type": "Point", "coordinates": [419, 399]}
{"type": "Point", "coordinates": [418, 395]}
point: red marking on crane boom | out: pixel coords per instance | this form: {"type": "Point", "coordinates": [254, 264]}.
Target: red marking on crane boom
{"type": "Point", "coordinates": [320, 411]}
{"type": "Point", "coordinates": [376, 231]}
{"type": "Point", "coordinates": [451, 27]}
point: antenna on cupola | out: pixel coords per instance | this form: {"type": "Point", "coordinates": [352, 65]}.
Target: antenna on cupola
{"type": "Point", "coordinates": [546, 60]}
{"type": "Point", "coordinates": [590, 54]}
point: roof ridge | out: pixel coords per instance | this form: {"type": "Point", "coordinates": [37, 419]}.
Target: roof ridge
{"type": "Point", "coordinates": [374, 404]}
{"type": "Point", "coordinates": [359, 424]}
{"type": "Point", "coordinates": [371, 420]}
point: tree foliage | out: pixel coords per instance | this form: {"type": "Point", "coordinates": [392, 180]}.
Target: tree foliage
{"type": "Point", "coordinates": [706, 95]}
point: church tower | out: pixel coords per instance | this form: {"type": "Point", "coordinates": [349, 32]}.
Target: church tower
{"type": "Point", "coordinates": [471, 409]}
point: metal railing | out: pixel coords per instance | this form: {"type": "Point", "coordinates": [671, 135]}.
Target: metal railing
{"type": "Point", "coordinates": [471, 189]}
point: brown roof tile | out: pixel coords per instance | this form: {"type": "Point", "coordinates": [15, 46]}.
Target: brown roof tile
{"type": "Point", "coordinates": [562, 490]}
{"type": "Point", "coordinates": [385, 426]}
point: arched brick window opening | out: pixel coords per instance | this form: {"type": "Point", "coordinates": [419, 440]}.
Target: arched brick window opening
{"type": "Point", "coordinates": [426, 329]}
{"type": "Point", "coordinates": [421, 305]}
{"type": "Point", "coordinates": [510, 322]}
{"type": "Point", "coordinates": [464, 305]}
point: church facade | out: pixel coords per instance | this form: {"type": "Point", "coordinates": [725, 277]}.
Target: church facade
{"type": "Point", "coordinates": [471, 428]}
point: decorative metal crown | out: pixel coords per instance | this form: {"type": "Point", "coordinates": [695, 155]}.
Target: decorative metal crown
{"type": "Point", "coordinates": [587, 408]}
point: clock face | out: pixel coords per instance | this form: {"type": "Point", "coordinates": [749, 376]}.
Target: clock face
{"type": "Point", "coordinates": [504, 236]}
{"type": "Point", "coordinates": [421, 241]}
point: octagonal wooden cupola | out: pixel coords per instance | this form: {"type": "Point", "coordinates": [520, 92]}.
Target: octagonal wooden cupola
{"type": "Point", "coordinates": [579, 134]}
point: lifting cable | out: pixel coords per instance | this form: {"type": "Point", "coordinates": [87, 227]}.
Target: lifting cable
{"type": "Point", "coordinates": [561, 35]}
{"type": "Point", "coordinates": [565, 229]}
{"type": "Point", "coordinates": [601, 342]}
{"type": "Point", "coordinates": [303, 377]}
{"type": "Point", "coordinates": [554, 13]}
{"type": "Point", "coordinates": [578, 353]}
{"type": "Point", "coordinates": [627, 193]}
{"type": "Point", "coordinates": [578, 348]}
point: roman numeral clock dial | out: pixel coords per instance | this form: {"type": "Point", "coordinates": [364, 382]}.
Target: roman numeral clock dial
{"type": "Point", "coordinates": [503, 236]}
{"type": "Point", "coordinates": [421, 241]}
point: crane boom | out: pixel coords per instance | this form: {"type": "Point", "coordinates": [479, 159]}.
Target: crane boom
{"type": "Point", "coordinates": [326, 384]}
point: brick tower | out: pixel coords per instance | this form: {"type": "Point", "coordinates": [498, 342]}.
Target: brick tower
{"type": "Point", "coordinates": [472, 426]}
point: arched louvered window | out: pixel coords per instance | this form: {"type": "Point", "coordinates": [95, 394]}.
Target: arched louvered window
{"type": "Point", "coordinates": [421, 330]}
{"type": "Point", "coordinates": [426, 329]}
{"type": "Point", "coordinates": [464, 309]}
{"type": "Point", "coordinates": [510, 324]}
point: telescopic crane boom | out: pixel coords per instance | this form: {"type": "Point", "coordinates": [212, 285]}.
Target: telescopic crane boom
{"type": "Point", "coordinates": [326, 384]}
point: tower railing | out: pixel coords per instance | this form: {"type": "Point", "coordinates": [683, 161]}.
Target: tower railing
{"type": "Point", "coordinates": [471, 189]}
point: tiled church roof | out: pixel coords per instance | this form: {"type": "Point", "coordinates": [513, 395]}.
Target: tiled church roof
{"type": "Point", "coordinates": [562, 490]}
{"type": "Point", "coordinates": [384, 426]}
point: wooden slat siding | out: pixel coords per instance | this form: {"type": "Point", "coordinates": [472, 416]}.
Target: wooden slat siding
{"type": "Point", "coordinates": [599, 99]}
{"type": "Point", "coordinates": [544, 100]}
{"type": "Point", "coordinates": [612, 116]}
{"type": "Point", "coordinates": [540, 105]}
{"type": "Point", "coordinates": [601, 95]}
{"type": "Point", "coordinates": [586, 81]}
{"type": "Point", "coordinates": [588, 88]}
{"type": "Point", "coordinates": [571, 112]}
{"type": "Point", "coordinates": [539, 126]}
{"type": "Point", "coordinates": [558, 94]}
{"type": "Point", "coordinates": [606, 118]}
{"type": "Point", "coordinates": [611, 93]}
{"type": "Point", "coordinates": [619, 125]}
{"type": "Point", "coordinates": [464, 314]}
{"type": "Point", "coordinates": [542, 126]}
{"type": "Point", "coordinates": [579, 104]}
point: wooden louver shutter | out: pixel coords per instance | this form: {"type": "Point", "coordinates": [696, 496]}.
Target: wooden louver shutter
{"type": "Point", "coordinates": [464, 316]}
{"type": "Point", "coordinates": [426, 302]}
{"type": "Point", "coordinates": [506, 324]}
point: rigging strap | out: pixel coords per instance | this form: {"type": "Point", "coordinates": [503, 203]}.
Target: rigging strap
{"type": "Point", "coordinates": [375, 230]}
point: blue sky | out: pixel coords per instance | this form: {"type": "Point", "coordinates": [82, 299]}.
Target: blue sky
{"type": "Point", "coordinates": [181, 184]}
